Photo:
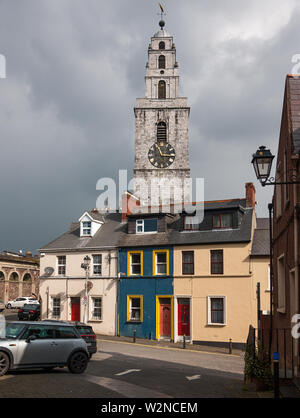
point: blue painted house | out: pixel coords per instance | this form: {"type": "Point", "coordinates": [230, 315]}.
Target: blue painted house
{"type": "Point", "coordinates": [145, 288]}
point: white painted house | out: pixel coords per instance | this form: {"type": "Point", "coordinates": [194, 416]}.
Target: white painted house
{"type": "Point", "coordinates": [63, 279]}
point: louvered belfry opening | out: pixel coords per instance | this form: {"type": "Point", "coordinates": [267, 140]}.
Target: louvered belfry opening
{"type": "Point", "coordinates": [161, 132]}
{"type": "Point", "coordinates": [162, 61]}
{"type": "Point", "coordinates": [162, 89]}
{"type": "Point", "coordinates": [162, 45]}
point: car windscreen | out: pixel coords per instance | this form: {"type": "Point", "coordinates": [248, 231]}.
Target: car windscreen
{"type": "Point", "coordinates": [13, 330]}
{"type": "Point", "coordinates": [30, 307]}
{"type": "Point", "coordinates": [84, 330]}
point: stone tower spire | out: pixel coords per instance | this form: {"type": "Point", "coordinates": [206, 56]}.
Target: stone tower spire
{"type": "Point", "coordinates": [161, 126]}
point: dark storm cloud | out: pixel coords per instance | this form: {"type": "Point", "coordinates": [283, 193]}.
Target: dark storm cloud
{"type": "Point", "coordinates": [74, 69]}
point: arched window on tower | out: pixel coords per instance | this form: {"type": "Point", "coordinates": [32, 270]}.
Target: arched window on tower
{"type": "Point", "coordinates": [161, 45]}
{"type": "Point", "coordinates": [162, 61]}
{"type": "Point", "coordinates": [161, 132]}
{"type": "Point", "coordinates": [162, 89]}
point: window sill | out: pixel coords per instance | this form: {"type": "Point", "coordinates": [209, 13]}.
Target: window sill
{"type": "Point", "coordinates": [95, 320]}
{"type": "Point", "coordinates": [134, 322]}
{"type": "Point", "coordinates": [216, 325]}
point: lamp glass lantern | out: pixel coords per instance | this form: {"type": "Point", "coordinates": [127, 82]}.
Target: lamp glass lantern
{"type": "Point", "coordinates": [86, 261]}
{"type": "Point", "coordinates": [262, 163]}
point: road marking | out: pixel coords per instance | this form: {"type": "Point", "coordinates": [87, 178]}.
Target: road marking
{"type": "Point", "coordinates": [127, 371]}
{"type": "Point", "coordinates": [196, 376]}
{"type": "Point", "coordinates": [123, 388]}
{"type": "Point", "coordinates": [5, 378]}
{"type": "Point", "coordinates": [169, 348]}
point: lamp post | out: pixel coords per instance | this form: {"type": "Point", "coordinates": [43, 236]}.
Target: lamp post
{"type": "Point", "coordinates": [262, 162]}
{"type": "Point", "coordinates": [86, 266]}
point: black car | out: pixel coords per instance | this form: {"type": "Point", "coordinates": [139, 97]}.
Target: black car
{"type": "Point", "coordinates": [29, 312]}
{"type": "Point", "coordinates": [86, 332]}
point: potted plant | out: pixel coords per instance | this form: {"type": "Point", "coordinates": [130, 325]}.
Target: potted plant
{"type": "Point", "coordinates": [258, 368]}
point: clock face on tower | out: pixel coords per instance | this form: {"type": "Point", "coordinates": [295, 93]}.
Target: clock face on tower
{"type": "Point", "coordinates": [161, 154]}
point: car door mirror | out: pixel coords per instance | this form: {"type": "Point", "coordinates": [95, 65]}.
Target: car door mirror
{"type": "Point", "coordinates": [31, 338]}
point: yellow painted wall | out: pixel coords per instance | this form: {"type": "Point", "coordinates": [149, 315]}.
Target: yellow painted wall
{"type": "Point", "coordinates": [237, 284]}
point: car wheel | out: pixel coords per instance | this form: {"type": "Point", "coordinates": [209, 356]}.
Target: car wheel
{"type": "Point", "coordinates": [4, 363]}
{"type": "Point", "coordinates": [8, 306]}
{"type": "Point", "coordinates": [78, 362]}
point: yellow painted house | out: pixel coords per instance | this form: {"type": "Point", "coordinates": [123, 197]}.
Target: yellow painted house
{"type": "Point", "coordinates": [217, 266]}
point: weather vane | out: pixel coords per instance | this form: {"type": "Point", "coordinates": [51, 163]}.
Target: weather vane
{"type": "Point", "coordinates": [162, 14]}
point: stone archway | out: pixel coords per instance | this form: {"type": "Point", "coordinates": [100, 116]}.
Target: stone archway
{"type": "Point", "coordinates": [2, 285]}
{"type": "Point", "coordinates": [27, 285]}
{"type": "Point", "coordinates": [13, 286]}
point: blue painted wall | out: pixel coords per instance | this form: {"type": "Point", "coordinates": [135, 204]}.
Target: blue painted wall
{"type": "Point", "coordinates": [148, 286]}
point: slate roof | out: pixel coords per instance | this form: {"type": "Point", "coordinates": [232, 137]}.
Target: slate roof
{"type": "Point", "coordinates": [293, 98]}
{"type": "Point", "coordinates": [174, 235]}
{"type": "Point", "coordinates": [107, 236]}
{"type": "Point", "coordinates": [261, 238]}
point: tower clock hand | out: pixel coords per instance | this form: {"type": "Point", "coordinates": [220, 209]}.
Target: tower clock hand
{"type": "Point", "coordinates": [159, 149]}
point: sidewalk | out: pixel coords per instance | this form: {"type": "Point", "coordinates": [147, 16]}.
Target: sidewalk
{"type": "Point", "coordinates": [168, 344]}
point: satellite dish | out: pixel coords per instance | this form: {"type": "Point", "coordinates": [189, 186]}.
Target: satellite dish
{"type": "Point", "coordinates": [48, 271]}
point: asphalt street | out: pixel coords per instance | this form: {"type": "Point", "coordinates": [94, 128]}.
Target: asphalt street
{"type": "Point", "coordinates": [127, 370]}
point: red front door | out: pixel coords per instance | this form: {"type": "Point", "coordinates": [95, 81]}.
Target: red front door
{"type": "Point", "coordinates": [75, 309]}
{"type": "Point", "coordinates": [184, 317]}
{"type": "Point", "coordinates": [165, 317]}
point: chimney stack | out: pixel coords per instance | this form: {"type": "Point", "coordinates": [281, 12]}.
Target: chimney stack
{"type": "Point", "coordinates": [129, 203]}
{"type": "Point", "coordinates": [250, 195]}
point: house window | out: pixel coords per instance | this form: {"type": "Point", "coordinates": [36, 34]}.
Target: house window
{"type": "Point", "coordinates": [97, 264]}
{"type": "Point", "coordinates": [135, 308]}
{"type": "Point", "coordinates": [160, 262]}
{"type": "Point", "coordinates": [216, 310]}
{"type": "Point", "coordinates": [56, 308]}
{"type": "Point", "coordinates": [162, 89]}
{"type": "Point", "coordinates": [61, 264]}
{"type": "Point", "coordinates": [161, 132]}
{"type": "Point", "coordinates": [223, 220]}
{"type": "Point", "coordinates": [161, 45]}
{"type": "Point", "coordinates": [96, 308]}
{"type": "Point", "coordinates": [135, 263]}
{"type": "Point", "coordinates": [162, 61]}
{"type": "Point", "coordinates": [86, 228]}
{"type": "Point", "coordinates": [216, 257]}
{"type": "Point", "coordinates": [281, 284]}
{"type": "Point", "coordinates": [278, 190]}
{"type": "Point", "coordinates": [191, 223]}
{"type": "Point", "coordinates": [187, 262]}
{"type": "Point", "coordinates": [146, 225]}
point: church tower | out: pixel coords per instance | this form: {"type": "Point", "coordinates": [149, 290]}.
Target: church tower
{"type": "Point", "coordinates": [161, 125]}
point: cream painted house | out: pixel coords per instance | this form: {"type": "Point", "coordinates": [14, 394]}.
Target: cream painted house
{"type": "Point", "coordinates": [62, 281]}
{"type": "Point", "coordinates": [217, 266]}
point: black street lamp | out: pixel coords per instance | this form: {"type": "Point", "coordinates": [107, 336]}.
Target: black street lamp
{"type": "Point", "coordinates": [262, 163]}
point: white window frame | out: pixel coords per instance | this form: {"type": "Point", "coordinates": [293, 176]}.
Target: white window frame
{"type": "Point", "coordinates": [209, 322]}
{"type": "Point", "coordinates": [61, 265]}
{"type": "Point", "coordinates": [97, 264]}
{"type": "Point", "coordinates": [55, 307]}
{"type": "Point", "coordinates": [91, 310]}
{"type": "Point", "coordinates": [85, 229]}
{"type": "Point", "coordinates": [140, 264]}
{"type": "Point", "coordinates": [139, 222]}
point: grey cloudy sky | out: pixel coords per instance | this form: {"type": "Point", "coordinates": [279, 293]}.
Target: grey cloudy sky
{"type": "Point", "coordinates": [74, 70]}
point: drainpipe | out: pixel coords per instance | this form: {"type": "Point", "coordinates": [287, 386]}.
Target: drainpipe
{"type": "Point", "coordinates": [296, 254]}
{"type": "Point", "coordinates": [270, 207]}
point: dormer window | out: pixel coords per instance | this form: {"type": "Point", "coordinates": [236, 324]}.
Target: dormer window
{"type": "Point", "coordinates": [190, 223]}
{"type": "Point", "coordinates": [90, 223]}
{"type": "Point", "coordinates": [144, 226]}
{"type": "Point", "coordinates": [222, 221]}
{"type": "Point", "coordinates": [86, 228]}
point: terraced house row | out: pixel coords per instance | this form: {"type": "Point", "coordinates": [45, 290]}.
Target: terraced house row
{"type": "Point", "coordinates": [160, 275]}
